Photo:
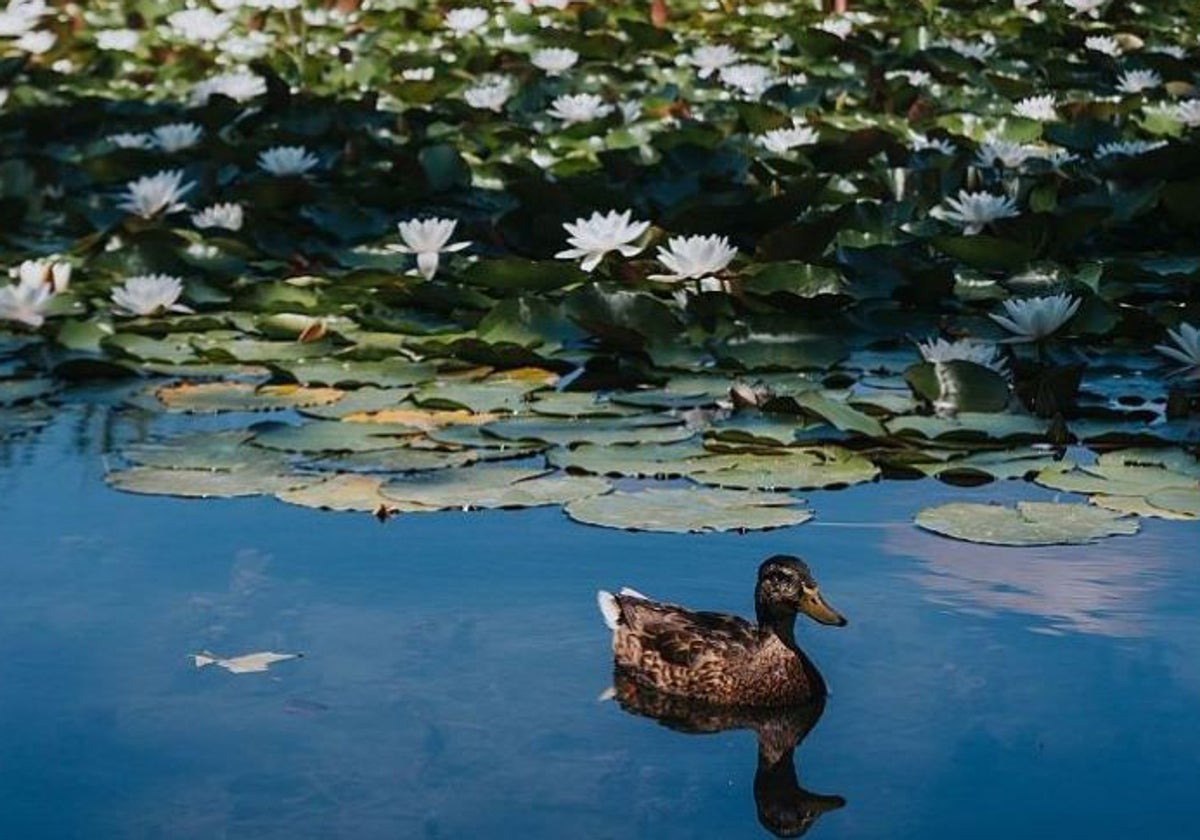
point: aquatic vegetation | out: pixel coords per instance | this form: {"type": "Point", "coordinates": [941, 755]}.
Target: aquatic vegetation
{"type": "Point", "coordinates": [699, 248]}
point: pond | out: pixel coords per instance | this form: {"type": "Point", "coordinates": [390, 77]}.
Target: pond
{"type": "Point", "coordinates": [452, 665]}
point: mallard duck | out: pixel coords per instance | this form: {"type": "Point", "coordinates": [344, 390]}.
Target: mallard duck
{"type": "Point", "coordinates": [784, 807]}
{"type": "Point", "coordinates": [722, 659]}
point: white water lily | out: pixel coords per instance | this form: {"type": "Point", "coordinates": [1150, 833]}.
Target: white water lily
{"type": "Point", "coordinates": [1009, 155]}
{"type": "Point", "coordinates": [417, 74]}
{"type": "Point", "coordinates": [25, 304]}
{"type": "Point", "coordinates": [838, 27]}
{"type": "Point", "coordinates": [1105, 44]}
{"type": "Point", "coordinates": [594, 237]}
{"type": "Point", "coordinates": [1035, 318]}
{"type": "Point", "coordinates": [940, 145]}
{"type": "Point", "coordinates": [1091, 8]}
{"type": "Point", "coordinates": [749, 79]}
{"type": "Point", "coordinates": [427, 239]}
{"type": "Point", "coordinates": [36, 273]}
{"type": "Point", "coordinates": [175, 137]}
{"type": "Point", "coordinates": [694, 257]}
{"type": "Point", "coordinates": [465, 21]}
{"type": "Point", "coordinates": [37, 43]}
{"type": "Point", "coordinates": [781, 140]}
{"type": "Point", "coordinates": [1136, 81]}
{"type": "Point", "coordinates": [240, 86]}
{"type": "Point", "coordinates": [972, 211]}
{"type": "Point", "coordinates": [1129, 148]}
{"type": "Point", "coordinates": [131, 140]}
{"type": "Point", "coordinates": [154, 194]}
{"type": "Point", "coordinates": [488, 95]}
{"type": "Point", "coordinates": [117, 40]}
{"type": "Point", "coordinates": [976, 50]}
{"type": "Point", "coordinates": [199, 25]}
{"type": "Point", "coordinates": [149, 294]}
{"type": "Point", "coordinates": [228, 215]}
{"type": "Point", "coordinates": [939, 350]}
{"type": "Point", "coordinates": [554, 60]}
{"type": "Point", "coordinates": [710, 58]}
{"type": "Point", "coordinates": [579, 108]}
{"type": "Point", "coordinates": [1188, 112]}
{"type": "Point", "coordinates": [1186, 349]}
{"type": "Point", "coordinates": [287, 161]}
{"type": "Point", "coordinates": [1041, 108]}
{"type": "Point", "coordinates": [21, 17]}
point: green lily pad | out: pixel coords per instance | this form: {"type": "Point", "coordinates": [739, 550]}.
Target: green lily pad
{"type": "Point", "coordinates": [367, 400]}
{"type": "Point", "coordinates": [330, 436]}
{"type": "Point", "coordinates": [791, 469]}
{"type": "Point", "coordinates": [1138, 506]}
{"type": "Point", "coordinates": [351, 373]}
{"type": "Point", "coordinates": [407, 459]}
{"type": "Point", "coordinates": [204, 484]}
{"type": "Point", "coordinates": [1030, 523]}
{"type": "Point", "coordinates": [683, 510]}
{"type": "Point", "coordinates": [214, 397]}
{"type": "Point", "coordinates": [641, 429]}
{"type": "Point", "coordinates": [226, 450]}
{"type": "Point", "coordinates": [1180, 500]}
{"type": "Point", "coordinates": [632, 460]}
{"type": "Point", "coordinates": [968, 426]}
{"type": "Point", "coordinates": [493, 487]}
{"type": "Point", "coordinates": [1112, 478]}
{"type": "Point", "coordinates": [577, 404]}
{"type": "Point", "coordinates": [839, 414]}
{"type": "Point", "coordinates": [352, 492]}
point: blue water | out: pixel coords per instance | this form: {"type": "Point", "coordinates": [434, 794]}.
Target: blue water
{"type": "Point", "coordinates": [452, 665]}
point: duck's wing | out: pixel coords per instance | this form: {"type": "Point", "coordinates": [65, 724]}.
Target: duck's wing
{"type": "Point", "coordinates": [681, 636]}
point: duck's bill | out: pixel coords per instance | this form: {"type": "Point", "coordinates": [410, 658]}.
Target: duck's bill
{"type": "Point", "coordinates": [816, 608]}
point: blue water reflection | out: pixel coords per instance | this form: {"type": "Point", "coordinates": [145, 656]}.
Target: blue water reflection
{"type": "Point", "coordinates": [453, 663]}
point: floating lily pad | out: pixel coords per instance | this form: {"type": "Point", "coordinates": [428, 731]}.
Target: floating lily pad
{"type": "Point", "coordinates": [968, 426]}
{"type": "Point", "coordinates": [407, 459]}
{"type": "Point", "coordinates": [14, 391]}
{"type": "Point", "coordinates": [577, 404]}
{"type": "Point", "coordinates": [351, 373]}
{"type": "Point", "coordinates": [1138, 506]}
{"type": "Point", "coordinates": [1180, 500]}
{"type": "Point", "coordinates": [478, 397]}
{"type": "Point", "coordinates": [425, 419]}
{"type": "Point", "coordinates": [204, 484]}
{"type": "Point", "coordinates": [364, 400]}
{"type": "Point", "coordinates": [1112, 478]}
{"type": "Point", "coordinates": [213, 397]}
{"type": "Point", "coordinates": [226, 450]}
{"type": "Point", "coordinates": [689, 509]}
{"type": "Point", "coordinates": [632, 460]}
{"type": "Point", "coordinates": [839, 414]}
{"type": "Point", "coordinates": [334, 436]}
{"type": "Point", "coordinates": [346, 493]}
{"type": "Point", "coordinates": [1029, 523]}
{"type": "Point", "coordinates": [493, 487]}
{"type": "Point", "coordinates": [641, 429]}
{"type": "Point", "coordinates": [791, 469]}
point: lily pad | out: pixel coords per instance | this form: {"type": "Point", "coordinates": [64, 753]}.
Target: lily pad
{"type": "Point", "coordinates": [334, 436]}
{"type": "Point", "coordinates": [225, 450]}
{"type": "Point", "coordinates": [1029, 523]}
{"type": "Point", "coordinates": [213, 397]}
{"type": "Point", "coordinates": [632, 460]}
{"type": "Point", "coordinates": [790, 469]}
{"type": "Point", "coordinates": [1138, 506]}
{"type": "Point", "coordinates": [640, 429]}
{"type": "Point", "coordinates": [493, 487]}
{"type": "Point", "coordinates": [683, 510]}
{"type": "Point", "coordinates": [204, 484]}
{"type": "Point", "coordinates": [350, 492]}
{"type": "Point", "coordinates": [1180, 500]}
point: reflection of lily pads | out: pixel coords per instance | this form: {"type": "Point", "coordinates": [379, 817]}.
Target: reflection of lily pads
{"type": "Point", "coordinates": [493, 487]}
{"type": "Point", "coordinates": [689, 509]}
{"type": "Point", "coordinates": [204, 484]}
{"type": "Point", "coordinates": [211, 397]}
{"type": "Point", "coordinates": [1030, 523]}
{"type": "Point", "coordinates": [20, 390]}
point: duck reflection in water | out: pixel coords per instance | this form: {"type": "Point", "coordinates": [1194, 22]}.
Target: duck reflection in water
{"type": "Point", "coordinates": [708, 672]}
{"type": "Point", "coordinates": [784, 807]}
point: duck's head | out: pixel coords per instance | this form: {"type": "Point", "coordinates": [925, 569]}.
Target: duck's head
{"type": "Point", "coordinates": [786, 587]}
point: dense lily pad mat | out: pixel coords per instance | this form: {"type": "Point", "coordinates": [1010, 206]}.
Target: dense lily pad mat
{"type": "Point", "coordinates": [749, 245]}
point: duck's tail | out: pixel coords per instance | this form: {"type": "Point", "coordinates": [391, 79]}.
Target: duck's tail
{"type": "Point", "coordinates": [205, 658]}
{"type": "Point", "coordinates": [609, 608]}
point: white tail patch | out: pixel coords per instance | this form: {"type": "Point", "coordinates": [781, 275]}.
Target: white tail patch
{"type": "Point", "coordinates": [609, 608]}
{"type": "Point", "coordinates": [204, 658]}
{"type": "Point", "coordinates": [607, 694]}
{"type": "Point", "coordinates": [633, 593]}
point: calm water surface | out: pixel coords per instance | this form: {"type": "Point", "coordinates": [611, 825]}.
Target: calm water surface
{"type": "Point", "coordinates": [453, 663]}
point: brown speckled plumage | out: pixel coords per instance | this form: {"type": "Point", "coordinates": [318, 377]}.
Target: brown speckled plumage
{"type": "Point", "coordinates": [722, 659]}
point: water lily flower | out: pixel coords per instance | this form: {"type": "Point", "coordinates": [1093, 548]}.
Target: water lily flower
{"type": "Point", "coordinates": [417, 74]}
{"type": "Point", "coordinates": [36, 43]}
{"type": "Point", "coordinates": [939, 350]}
{"type": "Point", "coordinates": [1091, 8]}
{"type": "Point", "coordinates": [976, 50]}
{"type": "Point", "coordinates": [287, 161]}
{"type": "Point", "coordinates": [117, 40]}
{"type": "Point", "coordinates": [1105, 44]}
{"type": "Point", "coordinates": [488, 95]}
{"type": "Point", "coordinates": [592, 238]}
{"type": "Point", "coordinates": [922, 143]}
{"type": "Point", "coordinates": [781, 140]}
{"type": "Point", "coordinates": [130, 140]}
{"type": "Point", "coordinates": [465, 21]}
{"type": "Point", "coordinates": [199, 25]}
{"type": "Point", "coordinates": [1186, 349]}
{"type": "Point", "coordinates": [1009, 155]}
{"type": "Point", "coordinates": [25, 303]}
{"type": "Point", "coordinates": [1032, 319]}
{"type": "Point", "coordinates": [973, 211]}
{"type": "Point", "coordinates": [1136, 81]}
{"type": "Point", "coordinates": [710, 58]}
{"type": "Point", "coordinates": [427, 239]}
{"type": "Point", "coordinates": [240, 86]}
{"type": "Point", "coordinates": [229, 216]}
{"type": "Point", "coordinates": [1188, 112]}
{"type": "Point", "coordinates": [694, 257]}
{"type": "Point", "coordinates": [149, 294]}
{"type": "Point", "coordinates": [750, 79]}
{"type": "Point", "coordinates": [159, 193]}
{"type": "Point", "coordinates": [916, 78]}
{"type": "Point", "coordinates": [175, 137]}
{"type": "Point", "coordinates": [838, 27]}
{"type": "Point", "coordinates": [579, 108]}
{"type": "Point", "coordinates": [554, 60]}
{"type": "Point", "coordinates": [1040, 108]}
{"type": "Point", "coordinates": [1129, 148]}
{"type": "Point", "coordinates": [21, 17]}
{"type": "Point", "coordinates": [34, 273]}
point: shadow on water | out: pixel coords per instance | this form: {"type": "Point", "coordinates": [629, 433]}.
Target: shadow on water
{"type": "Point", "coordinates": [784, 807]}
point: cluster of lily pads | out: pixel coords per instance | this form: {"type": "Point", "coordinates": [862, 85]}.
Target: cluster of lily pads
{"type": "Point", "coordinates": [661, 264]}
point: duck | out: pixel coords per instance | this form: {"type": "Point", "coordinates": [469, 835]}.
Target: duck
{"type": "Point", "coordinates": [722, 659]}
{"type": "Point", "coordinates": [784, 807]}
